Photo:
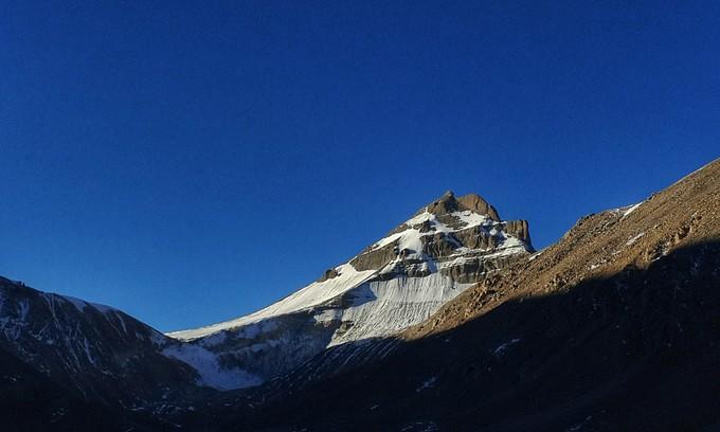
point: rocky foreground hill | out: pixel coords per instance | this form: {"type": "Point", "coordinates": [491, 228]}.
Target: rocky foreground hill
{"type": "Point", "coordinates": [449, 323]}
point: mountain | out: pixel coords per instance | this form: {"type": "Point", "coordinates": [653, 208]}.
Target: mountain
{"type": "Point", "coordinates": [396, 282]}
{"type": "Point", "coordinates": [451, 322]}
{"type": "Point", "coordinates": [615, 327]}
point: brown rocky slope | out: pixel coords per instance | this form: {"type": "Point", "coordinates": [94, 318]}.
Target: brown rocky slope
{"type": "Point", "coordinates": [600, 245]}
{"type": "Point", "coordinates": [615, 327]}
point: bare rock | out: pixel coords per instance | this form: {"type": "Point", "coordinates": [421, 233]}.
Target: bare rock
{"type": "Point", "coordinates": [518, 228]}
{"type": "Point", "coordinates": [374, 259]}
{"type": "Point", "coordinates": [328, 274]}
{"type": "Point", "coordinates": [477, 204]}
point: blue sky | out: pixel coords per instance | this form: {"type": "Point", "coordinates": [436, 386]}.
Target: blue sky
{"type": "Point", "coordinates": [190, 162]}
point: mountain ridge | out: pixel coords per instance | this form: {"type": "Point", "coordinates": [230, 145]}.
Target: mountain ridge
{"type": "Point", "coordinates": [595, 332]}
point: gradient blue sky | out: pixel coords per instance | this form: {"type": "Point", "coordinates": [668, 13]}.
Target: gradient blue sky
{"type": "Point", "coordinates": [190, 162]}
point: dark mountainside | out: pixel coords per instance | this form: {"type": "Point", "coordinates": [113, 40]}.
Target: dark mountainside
{"type": "Point", "coordinates": [71, 365]}
{"type": "Point", "coordinates": [615, 327]}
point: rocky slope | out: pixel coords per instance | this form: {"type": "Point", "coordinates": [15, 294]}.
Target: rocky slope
{"type": "Point", "coordinates": [615, 327]}
{"type": "Point", "coordinates": [396, 282]}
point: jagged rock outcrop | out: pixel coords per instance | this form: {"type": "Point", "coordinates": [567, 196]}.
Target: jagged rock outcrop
{"type": "Point", "coordinates": [376, 258]}
{"type": "Point", "coordinates": [328, 274]}
{"type": "Point", "coordinates": [519, 229]}
{"type": "Point", "coordinates": [448, 204]}
{"type": "Point", "coordinates": [440, 245]}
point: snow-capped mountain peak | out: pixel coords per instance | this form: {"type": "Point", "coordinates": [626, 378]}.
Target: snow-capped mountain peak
{"type": "Point", "coordinates": [397, 281]}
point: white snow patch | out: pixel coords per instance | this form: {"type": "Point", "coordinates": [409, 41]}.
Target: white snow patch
{"type": "Point", "coordinates": [215, 339]}
{"type": "Point", "coordinates": [631, 209]}
{"type": "Point", "coordinates": [88, 354]}
{"type": "Point", "coordinates": [411, 237]}
{"type": "Point", "coordinates": [327, 315]}
{"type": "Point", "coordinates": [23, 310]}
{"type": "Point", "coordinates": [211, 373]}
{"type": "Point", "coordinates": [502, 349]}
{"type": "Point", "coordinates": [471, 219]}
{"type": "Point", "coordinates": [512, 242]}
{"type": "Point", "coordinates": [468, 255]}
{"type": "Point", "coordinates": [312, 295]}
{"type": "Point", "coordinates": [634, 239]}
{"type": "Point", "coordinates": [397, 304]}
{"type": "Point", "coordinates": [536, 254]}
{"type": "Point", "coordinates": [427, 384]}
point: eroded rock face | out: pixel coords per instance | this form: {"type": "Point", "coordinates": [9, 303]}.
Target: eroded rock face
{"type": "Point", "coordinates": [477, 238]}
{"type": "Point", "coordinates": [474, 269]}
{"type": "Point", "coordinates": [375, 259]}
{"type": "Point", "coordinates": [476, 204]}
{"type": "Point", "coordinates": [440, 244]}
{"type": "Point", "coordinates": [519, 229]}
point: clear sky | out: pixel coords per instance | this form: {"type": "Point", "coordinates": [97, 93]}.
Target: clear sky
{"type": "Point", "coordinates": [190, 162]}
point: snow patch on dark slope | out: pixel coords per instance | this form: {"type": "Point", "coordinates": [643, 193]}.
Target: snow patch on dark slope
{"type": "Point", "coordinates": [211, 372]}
